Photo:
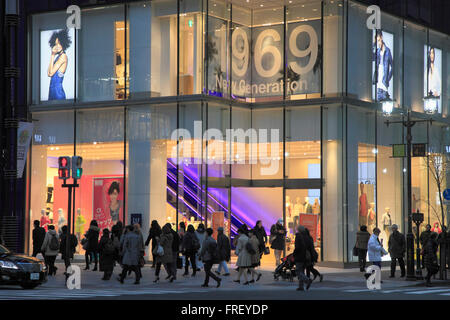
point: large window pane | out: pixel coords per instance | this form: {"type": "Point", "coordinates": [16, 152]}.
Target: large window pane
{"type": "Point", "coordinates": [304, 50]}
{"type": "Point", "coordinates": [191, 47]}
{"type": "Point", "coordinates": [101, 66]}
{"type": "Point", "coordinates": [303, 143]}
{"type": "Point", "coordinates": [100, 141]}
{"type": "Point", "coordinates": [52, 138]}
{"type": "Point", "coordinates": [241, 154]}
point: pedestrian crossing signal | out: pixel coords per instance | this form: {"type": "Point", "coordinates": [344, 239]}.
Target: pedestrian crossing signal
{"type": "Point", "coordinates": [64, 168]}
{"type": "Point", "coordinates": [77, 171]}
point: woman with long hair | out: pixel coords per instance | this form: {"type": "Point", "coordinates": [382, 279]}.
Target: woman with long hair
{"type": "Point", "coordinates": [59, 42]}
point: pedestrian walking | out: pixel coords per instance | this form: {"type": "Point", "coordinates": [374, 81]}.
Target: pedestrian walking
{"type": "Point", "coordinates": [375, 249]}
{"type": "Point", "coordinates": [154, 232]}
{"type": "Point", "coordinates": [175, 250]}
{"type": "Point", "coordinates": [201, 235]}
{"type": "Point", "coordinates": [38, 238]}
{"type": "Point", "coordinates": [255, 255]}
{"type": "Point", "coordinates": [106, 250]}
{"type": "Point", "coordinates": [423, 238]}
{"type": "Point", "coordinates": [189, 247]}
{"type": "Point", "coordinates": [116, 231]}
{"type": "Point", "coordinates": [362, 240]}
{"type": "Point", "coordinates": [50, 248]}
{"type": "Point", "coordinates": [302, 258]}
{"type": "Point", "coordinates": [166, 259]}
{"type": "Point", "coordinates": [209, 255]}
{"type": "Point", "coordinates": [72, 247]}
{"type": "Point", "coordinates": [132, 247]}
{"type": "Point", "coordinates": [397, 249]}
{"type": "Point", "coordinates": [430, 257]}
{"type": "Point", "coordinates": [260, 233]}
{"type": "Point", "coordinates": [244, 261]}
{"type": "Point", "coordinates": [224, 248]}
{"type": "Point", "coordinates": [314, 258]}
{"type": "Point", "coordinates": [277, 240]}
{"type": "Point", "coordinates": [137, 230]}
{"type": "Point", "coordinates": [92, 245]}
{"type": "Point", "coordinates": [181, 232]}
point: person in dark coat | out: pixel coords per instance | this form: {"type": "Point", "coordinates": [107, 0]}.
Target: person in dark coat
{"type": "Point", "coordinates": [224, 248]}
{"type": "Point", "coordinates": [206, 255]}
{"type": "Point", "coordinates": [278, 235]}
{"type": "Point", "coordinates": [175, 249]}
{"type": "Point", "coordinates": [314, 258]}
{"type": "Point", "coordinates": [62, 247]}
{"type": "Point", "coordinates": [166, 259]}
{"type": "Point", "coordinates": [189, 247]}
{"type": "Point", "coordinates": [38, 238]}
{"type": "Point", "coordinates": [430, 257]}
{"type": "Point", "coordinates": [362, 240]}
{"type": "Point", "coordinates": [154, 232]}
{"type": "Point", "coordinates": [423, 238]}
{"type": "Point", "coordinates": [260, 233]}
{"type": "Point", "coordinates": [132, 247]}
{"type": "Point", "coordinates": [301, 258]}
{"type": "Point", "coordinates": [92, 247]}
{"type": "Point", "coordinates": [117, 230]}
{"type": "Point", "coordinates": [397, 249]}
{"type": "Point", "coordinates": [106, 250]}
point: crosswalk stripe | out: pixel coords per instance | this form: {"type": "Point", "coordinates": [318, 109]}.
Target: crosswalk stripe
{"type": "Point", "coordinates": [428, 291]}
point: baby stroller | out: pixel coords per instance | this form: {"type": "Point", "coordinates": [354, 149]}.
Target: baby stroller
{"type": "Point", "coordinates": [286, 270]}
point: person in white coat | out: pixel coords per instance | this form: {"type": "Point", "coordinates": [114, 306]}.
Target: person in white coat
{"type": "Point", "coordinates": [375, 249]}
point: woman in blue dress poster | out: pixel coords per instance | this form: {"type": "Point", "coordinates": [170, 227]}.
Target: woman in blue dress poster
{"type": "Point", "coordinates": [59, 42]}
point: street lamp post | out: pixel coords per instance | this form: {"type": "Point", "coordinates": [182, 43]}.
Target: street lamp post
{"type": "Point", "coordinates": [418, 219]}
{"type": "Point", "coordinates": [410, 274]}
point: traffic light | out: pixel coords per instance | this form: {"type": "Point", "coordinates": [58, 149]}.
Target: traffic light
{"type": "Point", "coordinates": [77, 171]}
{"type": "Point", "coordinates": [64, 168]}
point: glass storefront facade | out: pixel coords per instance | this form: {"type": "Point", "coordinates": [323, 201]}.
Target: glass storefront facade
{"type": "Point", "coordinates": [226, 113]}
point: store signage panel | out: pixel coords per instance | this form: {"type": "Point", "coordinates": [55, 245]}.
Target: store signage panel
{"type": "Point", "coordinates": [399, 150]}
{"type": "Point", "coordinates": [419, 150]}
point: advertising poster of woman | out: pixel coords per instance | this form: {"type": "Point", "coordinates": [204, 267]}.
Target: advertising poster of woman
{"type": "Point", "coordinates": [57, 65]}
{"type": "Point", "coordinates": [108, 201]}
{"type": "Point", "coordinates": [432, 74]}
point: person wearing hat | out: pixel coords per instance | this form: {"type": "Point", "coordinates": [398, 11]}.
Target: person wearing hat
{"type": "Point", "coordinates": [224, 248]}
{"type": "Point", "coordinates": [397, 249]}
{"type": "Point", "coordinates": [277, 240]}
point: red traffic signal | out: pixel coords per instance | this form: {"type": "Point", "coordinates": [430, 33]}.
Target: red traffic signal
{"type": "Point", "coordinates": [64, 168]}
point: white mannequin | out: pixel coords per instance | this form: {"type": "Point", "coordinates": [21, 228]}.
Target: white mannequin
{"type": "Point", "coordinates": [61, 220]}
{"type": "Point", "coordinates": [298, 207]}
{"type": "Point", "coordinates": [308, 207]}
{"type": "Point", "coordinates": [386, 221]}
{"type": "Point", "coordinates": [316, 206]}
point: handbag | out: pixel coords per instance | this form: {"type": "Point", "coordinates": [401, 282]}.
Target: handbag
{"type": "Point", "coordinates": [266, 250]}
{"type": "Point", "coordinates": [141, 261]}
{"type": "Point", "coordinates": [158, 251]}
{"type": "Point", "coordinates": [355, 251]}
{"type": "Point", "coordinates": [179, 263]}
{"type": "Point", "coordinates": [271, 238]}
{"type": "Point", "coordinates": [84, 243]}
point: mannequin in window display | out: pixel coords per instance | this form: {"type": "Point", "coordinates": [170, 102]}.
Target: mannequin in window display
{"type": "Point", "coordinates": [289, 215]}
{"type": "Point", "coordinates": [45, 221]}
{"type": "Point", "coordinates": [61, 220]}
{"type": "Point", "coordinates": [308, 207]}
{"type": "Point", "coordinates": [298, 208]}
{"type": "Point", "coordinates": [50, 214]}
{"type": "Point", "coordinates": [80, 221]}
{"type": "Point", "coordinates": [386, 221]}
{"type": "Point", "coordinates": [363, 206]}
{"type": "Point", "coordinates": [316, 207]}
{"type": "Point", "coordinates": [371, 217]}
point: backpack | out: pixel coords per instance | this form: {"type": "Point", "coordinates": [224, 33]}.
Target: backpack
{"type": "Point", "coordinates": [54, 243]}
{"type": "Point", "coordinates": [249, 248]}
{"type": "Point", "coordinates": [109, 247]}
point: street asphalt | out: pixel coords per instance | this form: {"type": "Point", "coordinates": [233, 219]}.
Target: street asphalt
{"type": "Point", "coordinates": [338, 284]}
